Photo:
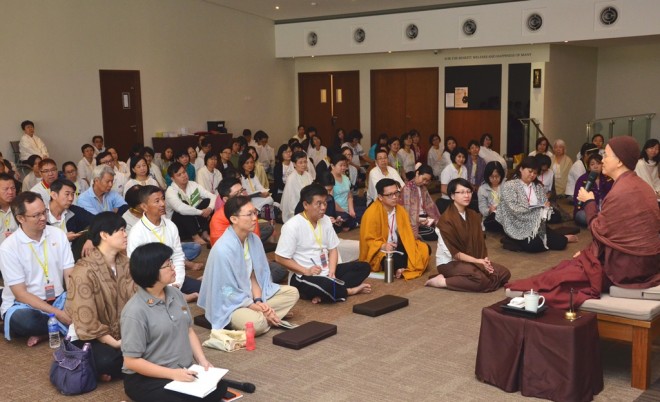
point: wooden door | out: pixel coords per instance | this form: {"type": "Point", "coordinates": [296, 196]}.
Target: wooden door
{"type": "Point", "coordinates": [329, 100]}
{"type": "Point", "coordinates": [121, 105]}
{"type": "Point", "coordinates": [402, 100]}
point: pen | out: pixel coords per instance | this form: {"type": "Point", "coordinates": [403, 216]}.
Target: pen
{"type": "Point", "coordinates": [193, 374]}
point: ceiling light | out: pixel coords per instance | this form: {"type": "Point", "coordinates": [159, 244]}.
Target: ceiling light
{"type": "Point", "coordinates": [312, 3]}
{"type": "Point", "coordinates": [277, 7]}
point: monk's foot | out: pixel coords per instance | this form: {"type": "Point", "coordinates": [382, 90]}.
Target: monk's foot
{"type": "Point", "coordinates": [191, 297]}
{"type": "Point", "coordinates": [399, 272]}
{"type": "Point", "coordinates": [33, 340]}
{"type": "Point", "coordinates": [105, 378]}
{"type": "Point", "coordinates": [363, 288]}
{"type": "Point", "coordinates": [316, 300]}
{"type": "Point", "coordinates": [572, 238]}
{"type": "Point", "coordinates": [438, 281]}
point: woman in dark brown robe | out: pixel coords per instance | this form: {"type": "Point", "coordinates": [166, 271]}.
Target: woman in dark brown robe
{"type": "Point", "coordinates": [462, 258]}
{"type": "Point", "coordinates": [626, 249]}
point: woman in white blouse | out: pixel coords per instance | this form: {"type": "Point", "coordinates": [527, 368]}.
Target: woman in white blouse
{"type": "Point", "coordinates": [647, 166]}
{"type": "Point", "coordinates": [139, 174]}
{"type": "Point", "coordinates": [209, 177]}
{"type": "Point", "coordinates": [407, 155]}
{"type": "Point", "coordinates": [260, 195]}
{"type": "Point", "coordinates": [453, 171]}
{"type": "Point", "coordinates": [434, 157]}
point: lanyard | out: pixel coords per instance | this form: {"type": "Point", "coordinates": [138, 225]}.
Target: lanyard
{"type": "Point", "coordinates": [250, 183]}
{"type": "Point", "coordinates": [7, 219]}
{"type": "Point", "coordinates": [391, 225]}
{"type": "Point", "coordinates": [460, 169]}
{"type": "Point", "coordinates": [44, 264]}
{"type": "Point", "coordinates": [496, 197]}
{"type": "Point", "coordinates": [317, 238]}
{"type": "Point", "coordinates": [529, 196]}
{"type": "Point", "coordinates": [246, 250]}
{"type": "Point", "coordinates": [161, 237]}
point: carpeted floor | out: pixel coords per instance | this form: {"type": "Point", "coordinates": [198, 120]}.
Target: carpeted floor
{"type": "Point", "coordinates": [423, 352]}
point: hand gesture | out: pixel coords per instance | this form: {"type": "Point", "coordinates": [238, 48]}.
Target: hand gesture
{"type": "Point", "coordinates": [584, 195]}
{"type": "Point", "coordinates": [183, 375]}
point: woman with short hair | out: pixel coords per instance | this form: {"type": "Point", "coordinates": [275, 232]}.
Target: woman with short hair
{"type": "Point", "coordinates": [647, 165]}
{"type": "Point", "coordinates": [422, 211]}
{"type": "Point", "coordinates": [489, 195]}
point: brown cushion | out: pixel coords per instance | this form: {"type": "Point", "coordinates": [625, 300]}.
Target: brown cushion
{"type": "Point", "coordinates": [381, 305]}
{"type": "Point", "coordinates": [304, 335]}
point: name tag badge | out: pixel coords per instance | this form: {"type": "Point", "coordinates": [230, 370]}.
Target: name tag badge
{"type": "Point", "coordinates": [50, 292]}
{"type": "Point", "coordinates": [324, 259]}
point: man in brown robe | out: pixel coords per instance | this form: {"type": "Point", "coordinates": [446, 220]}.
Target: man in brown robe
{"type": "Point", "coordinates": [626, 248]}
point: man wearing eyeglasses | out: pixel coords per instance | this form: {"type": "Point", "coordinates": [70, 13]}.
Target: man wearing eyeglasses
{"type": "Point", "coordinates": [35, 263]}
{"type": "Point", "coordinates": [385, 229]}
{"type": "Point", "coordinates": [105, 159]}
{"type": "Point", "coordinates": [7, 195]}
{"type": "Point", "coordinates": [48, 170]}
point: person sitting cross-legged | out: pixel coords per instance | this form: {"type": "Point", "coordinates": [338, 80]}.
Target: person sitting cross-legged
{"type": "Point", "coordinates": [35, 262]}
{"type": "Point", "coordinates": [308, 249]}
{"type": "Point", "coordinates": [237, 287]}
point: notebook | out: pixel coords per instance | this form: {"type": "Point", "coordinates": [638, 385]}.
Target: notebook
{"type": "Point", "coordinates": [202, 386]}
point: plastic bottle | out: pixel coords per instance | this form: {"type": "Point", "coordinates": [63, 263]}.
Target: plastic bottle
{"type": "Point", "coordinates": [249, 334]}
{"type": "Point", "coordinates": [53, 332]}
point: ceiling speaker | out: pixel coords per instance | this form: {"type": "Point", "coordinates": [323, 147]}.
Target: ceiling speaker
{"type": "Point", "coordinates": [469, 27]}
{"type": "Point", "coordinates": [359, 35]}
{"type": "Point", "coordinates": [412, 31]}
{"type": "Point", "coordinates": [312, 39]}
{"type": "Point", "coordinates": [534, 22]}
{"type": "Point", "coordinates": [609, 15]}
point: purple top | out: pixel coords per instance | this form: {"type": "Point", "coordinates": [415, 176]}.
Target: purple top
{"type": "Point", "coordinates": [600, 189]}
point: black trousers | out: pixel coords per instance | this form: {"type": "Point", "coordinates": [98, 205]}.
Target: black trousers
{"type": "Point", "coordinates": [107, 359]}
{"type": "Point", "coordinates": [148, 389]}
{"type": "Point", "coordinates": [190, 285]}
{"type": "Point", "coordinates": [191, 225]}
{"type": "Point", "coordinates": [554, 241]}
{"type": "Point", "coordinates": [352, 273]}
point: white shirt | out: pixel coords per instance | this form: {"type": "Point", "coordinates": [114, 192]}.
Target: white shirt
{"type": "Point", "coordinates": [392, 228]}
{"type": "Point", "coordinates": [41, 189]}
{"type": "Point", "coordinates": [442, 254]}
{"type": "Point", "coordinates": [167, 233]}
{"type": "Point", "coordinates": [134, 182]}
{"type": "Point", "coordinates": [119, 182]}
{"type": "Point", "coordinates": [436, 161]}
{"type": "Point", "coordinates": [122, 167]}
{"type": "Point", "coordinates": [28, 146]}
{"type": "Point", "coordinates": [576, 171]}
{"type": "Point", "coordinates": [30, 181]}
{"type": "Point", "coordinates": [9, 224]}
{"type": "Point", "coordinates": [174, 197]}
{"type": "Point", "coordinates": [266, 155]}
{"type": "Point", "coordinates": [130, 219]}
{"type": "Point", "coordinates": [209, 180]}
{"type": "Point", "coordinates": [547, 179]}
{"type": "Point", "coordinates": [375, 175]}
{"type": "Point", "coordinates": [252, 185]}
{"type": "Point", "coordinates": [450, 173]}
{"type": "Point", "coordinates": [408, 159]}
{"type": "Point", "coordinates": [85, 170]}
{"type": "Point", "coordinates": [156, 174]}
{"type": "Point", "coordinates": [491, 156]}
{"type": "Point", "coordinates": [198, 164]}
{"type": "Point", "coordinates": [291, 193]}
{"type": "Point", "coordinates": [317, 155]}
{"type": "Point", "coordinates": [19, 264]}
{"type": "Point", "coordinates": [81, 187]}
{"type": "Point", "coordinates": [299, 243]}
{"type": "Point", "coordinates": [59, 223]}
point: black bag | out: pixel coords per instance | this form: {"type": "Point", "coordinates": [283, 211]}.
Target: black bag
{"type": "Point", "coordinates": [73, 371]}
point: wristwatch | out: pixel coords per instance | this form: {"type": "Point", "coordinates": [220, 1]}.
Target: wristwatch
{"type": "Point", "coordinates": [258, 300]}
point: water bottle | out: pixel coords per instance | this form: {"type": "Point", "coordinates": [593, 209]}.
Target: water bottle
{"type": "Point", "coordinates": [249, 334]}
{"type": "Point", "coordinates": [389, 268]}
{"type": "Point", "coordinates": [53, 332]}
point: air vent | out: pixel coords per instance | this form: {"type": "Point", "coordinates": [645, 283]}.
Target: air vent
{"type": "Point", "coordinates": [359, 35]}
{"type": "Point", "coordinates": [469, 27]}
{"type": "Point", "coordinates": [312, 39]}
{"type": "Point", "coordinates": [534, 22]}
{"type": "Point", "coordinates": [609, 15]}
{"type": "Point", "coordinates": [412, 31]}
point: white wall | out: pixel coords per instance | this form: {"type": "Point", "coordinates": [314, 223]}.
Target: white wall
{"type": "Point", "coordinates": [569, 94]}
{"type": "Point", "coordinates": [628, 82]}
{"type": "Point", "coordinates": [197, 62]}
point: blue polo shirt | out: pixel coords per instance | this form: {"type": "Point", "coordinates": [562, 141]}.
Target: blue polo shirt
{"type": "Point", "coordinates": [91, 204]}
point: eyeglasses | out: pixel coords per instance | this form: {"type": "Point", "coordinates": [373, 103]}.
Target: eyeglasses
{"type": "Point", "coordinates": [168, 264]}
{"type": "Point", "coordinates": [45, 171]}
{"type": "Point", "coordinates": [464, 192]}
{"type": "Point", "coordinates": [38, 215]}
{"type": "Point", "coordinates": [108, 162]}
{"type": "Point", "coordinates": [392, 195]}
{"type": "Point", "coordinates": [251, 214]}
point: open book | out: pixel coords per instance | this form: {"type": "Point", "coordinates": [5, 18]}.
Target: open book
{"type": "Point", "coordinates": [206, 382]}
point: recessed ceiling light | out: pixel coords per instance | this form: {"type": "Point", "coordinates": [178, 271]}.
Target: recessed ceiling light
{"type": "Point", "coordinates": [277, 7]}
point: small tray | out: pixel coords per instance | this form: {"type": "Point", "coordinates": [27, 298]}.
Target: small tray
{"type": "Point", "coordinates": [522, 312]}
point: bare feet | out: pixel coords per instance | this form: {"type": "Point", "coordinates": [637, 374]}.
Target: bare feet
{"type": "Point", "coordinates": [191, 297]}
{"type": "Point", "coordinates": [572, 238]}
{"type": "Point", "coordinates": [438, 281]}
{"type": "Point", "coordinates": [363, 288]}
{"type": "Point", "coordinates": [206, 237]}
{"type": "Point", "coordinates": [316, 300]}
{"type": "Point", "coordinates": [33, 340]}
{"type": "Point", "coordinates": [399, 272]}
{"type": "Point", "coordinates": [105, 378]}
{"type": "Point", "coordinates": [197, 239]}
{"type": "Point", "coordinates": [194, 266]}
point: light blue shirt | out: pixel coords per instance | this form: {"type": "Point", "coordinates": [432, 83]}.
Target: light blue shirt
{"type": "Point", "coordinates": [91, 204]}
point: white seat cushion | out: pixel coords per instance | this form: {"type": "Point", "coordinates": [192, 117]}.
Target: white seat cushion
{"type": "Point", "coordinates": [644, 310]}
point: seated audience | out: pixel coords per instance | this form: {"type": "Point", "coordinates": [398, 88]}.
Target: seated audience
{"type": "Point", "coordinates": [70, 172]}
{"type": "Point", "coordinates": [224, 163]}
{"type": "Point", "coordinates": [488, 154]}
{"type": "Point", "coordinates": [475, 165]}
{"type": "Point", "coordinates": [308, 249]}
{"type": "Point", "coordinates": [99, 286]}
{"type": "Point", "coordinates": [196, 162]}
{"type": "Point", "coordinates": [407, 156]}
{"type": "Point", "coordinates": [295, 182]}
{"type": "Point", "coordinates": [599, 141]}
{"type": "Point", "coordinates": [359, 156]}
{"type": "Point", "coordinates": [209, 177]}
{"type": "Point", "coordinates": [393, 158]}
{"type": "Point", "coordinates": [626, 248]}
{"type": "Point", "coordinates": [120, 179]}
{"type": "Point", "coordinates": [71, 219]}
{"type": "Point", "coordinates": [7, 195]}
{"type": "Point", "coordinates": [647, 165]}
{"type": "Point", "coordinates": [450, 145]}
{"type": "Point", "coordinates": [189, 205]}
{"type": "Point", "coordinates": [265, 151]}
{"type": "Point", "coordinates": [283, 168]}
{"type": "Point", "coordinates": [343, 196]}
{"type": "Point", "coordinates": [489, 195]}
{"type": "Point", "coordinates": [97, 140]}
{"type": "Point", "coordinates": [336, 146]}
{"type": "Point", "coordinates": [417, 202]}
{"type": "Point", "coordinates": [386, 228]}
{"type": "Point", "coordinates": [154, 170]}
{"type": "Point", "coordinates": [30, 144]}
{"type": "Point", "coordinates": [547, 178]}
{"type": "Point", "coordinates": [579, 167]}
{"type": "Point", "coordinates": [86, 164]}
{"type": "Point", "coordinates": [237, 145]}
{"type": "Point", "coordinates": [380, 171]}
{"type": "Point", "coordinates": [31, 179]}
{"type": "Point", "coordinates": [417, 149]}
{"type": "Point", "coordinates": [434, 156]}
{"type": "Point", "coordinates": [259, 171]}
{"type": "Point", "coordinates": [237, 287]}
{"type": "Point", "coordinates": [205, 147]}
{"type": "Point", "coordinates": [561, 165]}
{"type": "Point", "coordinates": [155, 227]}
{"type": "Point", "coordinates": [48, 170]}
{"type": "Point", "coordinates": [542, 145]}
{"type": "Point", "coordinates": [300, 135]}
{"type": "Point", "coordinates": [453, 171]}
{"type": "Point", "coordinates": [524, 211]}
{"type": "Point", "coordinates": [34, 269]}
{"type": "Point", "coordinates": [352, 172]}
{"type": "Point", "coordinates": [184, 160]}
{"type": "Point", "coordinates": [157, 337]}
{"type": "Point", "coordinates": [118, 165]}
{"type": "Point", "coordinates": [462, 258]}
{"type": "Point", "coordinates": [316, 152]}
{"type": "Point", "coordinates": [139, 174]}
{"type": "Point", "coordinates": [260, 195]}
{"type": "Point", "coordinates": [381, 143]}
{"type": "Point", "coordinates": [134, 213]}
{"type": "Point", "coordinates": [100, 197]}
{"type": "Point", "coordinates": [601, 187]}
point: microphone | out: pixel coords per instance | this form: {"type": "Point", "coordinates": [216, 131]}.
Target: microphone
{"type": "Point", "coordinates": [241, 386]}
{"type": "Point", "coordinates": [590, 183]}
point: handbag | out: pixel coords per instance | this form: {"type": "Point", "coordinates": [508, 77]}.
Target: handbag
{"type": "Point", "coordinates": [226, 340]}
{"type": "Point", "coordinates": [72, 371]}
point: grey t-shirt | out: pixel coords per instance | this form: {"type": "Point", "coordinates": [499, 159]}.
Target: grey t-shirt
{"type": "Point", "coordinates": [157, 330]}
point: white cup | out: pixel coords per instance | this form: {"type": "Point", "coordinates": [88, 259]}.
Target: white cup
{"type": "Point", "coordinates": [532, 299]}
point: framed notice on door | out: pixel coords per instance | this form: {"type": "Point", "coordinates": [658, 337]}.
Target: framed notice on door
{"type": "Point", "coordinates": [461, 97]}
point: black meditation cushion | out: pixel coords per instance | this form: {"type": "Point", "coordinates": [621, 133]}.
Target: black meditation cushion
{"type": "Point", "coordinates": [304, 335]}
{"type": "Point", "coordinates": [380, 305]}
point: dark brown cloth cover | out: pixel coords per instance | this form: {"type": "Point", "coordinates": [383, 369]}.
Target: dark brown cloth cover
{"type": "Point", "coordinates": [547, 357]}
{"type": "Point", "coordinates": [380, 305]}
{"type": "Point", "coordinates": [304, 335]}
{"type": "Point", "coordinates": [463, 235]}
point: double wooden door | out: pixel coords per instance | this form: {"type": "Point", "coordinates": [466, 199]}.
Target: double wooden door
{"type": "Point", "coordinates": [328, 101]}
{"type": "Point", "coordinates": [402, 100]}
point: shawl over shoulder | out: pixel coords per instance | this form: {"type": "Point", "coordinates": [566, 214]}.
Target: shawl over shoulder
{"type": "Point", "coordinates": [464, 236]}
